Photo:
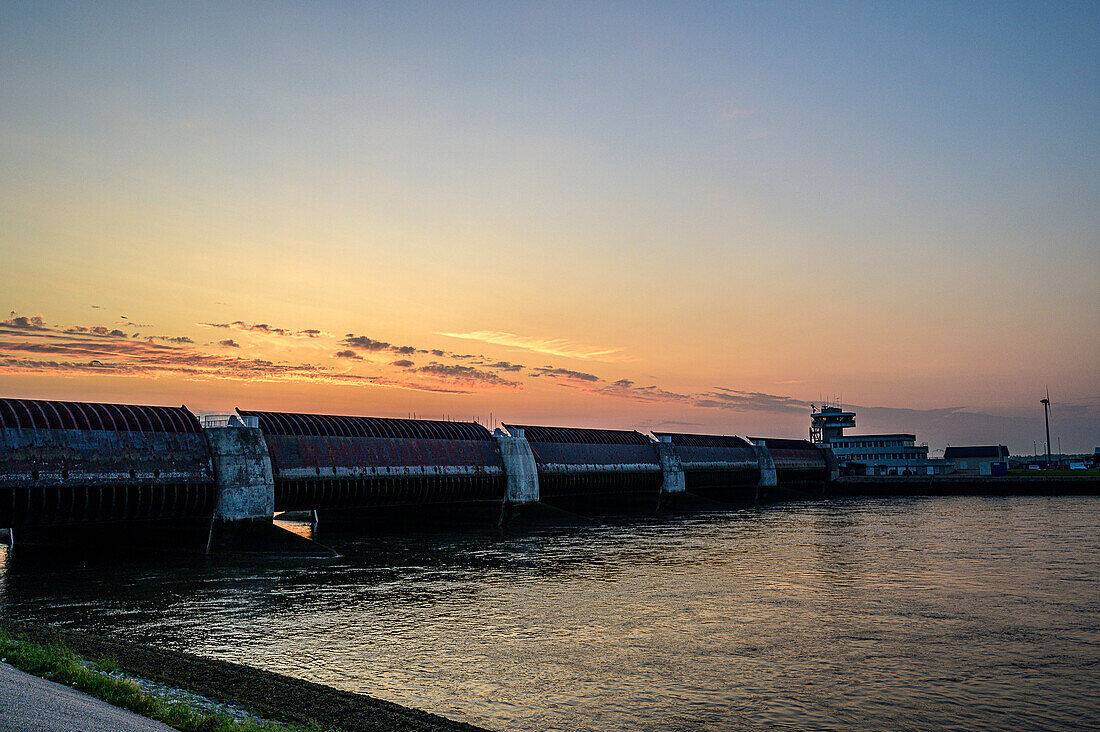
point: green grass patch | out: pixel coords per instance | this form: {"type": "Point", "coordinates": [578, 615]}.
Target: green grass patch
{"type": "Point", "coordinates": [60, 664]}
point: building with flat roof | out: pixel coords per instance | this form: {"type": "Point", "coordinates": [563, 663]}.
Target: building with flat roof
{"type": "Point", "coordinates": [976, 458]}
{"type": "Point", "coordinates": [881, 454]}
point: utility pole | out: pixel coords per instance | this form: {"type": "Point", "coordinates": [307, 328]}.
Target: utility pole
{"type": "Point", "coordinates": [1046, 417]}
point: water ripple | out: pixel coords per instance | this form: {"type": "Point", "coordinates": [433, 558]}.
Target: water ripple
{"type": "Point", "coordinates": [948, 613]}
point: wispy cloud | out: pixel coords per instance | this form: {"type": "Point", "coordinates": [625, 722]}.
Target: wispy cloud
{"type": "Point", "coordinates": [100, 349]}
{"type": "Point", "coordinates": [173, 361]}
{"type": "Point", "coordinates": [95, 330]}
{"type": "Point", "coordinates": [31, 345]}
{"type": "Point", "coordinates": [560, 373]}
{"type": "Point", "coordinates": [24, 322]}
{"type": "Point", "coordinates": [751, 401]}
{"type": "Point", "coordinates": [733, 112]}
{"type": "Point", "coordinates": [505, 366]}
{"type": "Point", "coordinates": [467, 375]}
{"type": "Point", "coordinates": [551, 346]}
{"type": "Point", "coordinates": [417, 386]}
{"type": "Point", "coordinates": [364, 343]}
{"type": "Point", "coordinates": [34, 346]}
{"type": "Point", "coordinates": [266, 329]}
{"type": "Point", "coordinates": [718, 398]}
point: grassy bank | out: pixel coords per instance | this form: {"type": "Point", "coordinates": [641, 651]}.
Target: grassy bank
{"type": "Point", "coordinates": [264, 693]}
{"type": "Point", "coordinates": [60, 664]}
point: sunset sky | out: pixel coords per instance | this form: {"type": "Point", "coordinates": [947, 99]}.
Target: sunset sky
{"type": "Point", "coordinates": [698, 217]}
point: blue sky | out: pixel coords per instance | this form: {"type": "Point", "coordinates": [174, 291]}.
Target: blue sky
{"type": "Point", "coordinates": [893, 201]}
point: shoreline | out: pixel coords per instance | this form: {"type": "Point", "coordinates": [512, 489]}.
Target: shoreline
{"type": "Point", "coordinates": [898, 486]}
{"type": "Point", "coordinates": [265, 693]}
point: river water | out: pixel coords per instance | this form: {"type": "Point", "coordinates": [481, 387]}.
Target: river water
{"type": "Point", "coordinates": [924, 613]}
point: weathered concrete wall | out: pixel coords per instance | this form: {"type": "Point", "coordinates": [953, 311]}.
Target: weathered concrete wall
{"type": "Point", "coordinates": [767, 467]}
{"type": "Point", "coordinates": [674, 480]}
{"type": "Point", "coordinates": [242, 473]}
{"type": "Point", "coordinates": [519, 465]}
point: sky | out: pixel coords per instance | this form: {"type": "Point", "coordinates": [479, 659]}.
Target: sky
{"type": "Point", "coordinates": [697, 217]}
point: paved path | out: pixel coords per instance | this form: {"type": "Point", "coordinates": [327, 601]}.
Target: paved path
{"type": "Point", "coordinates": [31, 703]}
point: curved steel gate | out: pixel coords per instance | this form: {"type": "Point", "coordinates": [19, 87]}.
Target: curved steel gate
{"type": "Point", "coordinates": [715, 465]}
{"type": "Point", "coordinates": [796, 461]}
{"type": "Point", "coordinates": [68, 463]}
{"type": "Point", "coordinates": [329, 461]}
{"type": "Point", "coordinates": [591, 469]}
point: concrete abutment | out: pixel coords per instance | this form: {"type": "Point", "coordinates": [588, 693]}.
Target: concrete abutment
{"type": "Point", "coordinates": [519, 467]}
{"type": "Point", "coordinates": [243, 476]}
{"type": "Point", "coordinates": [245, 500]}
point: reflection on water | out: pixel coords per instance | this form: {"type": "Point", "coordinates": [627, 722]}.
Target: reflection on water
{"type": "Point", "coordinates": [301, 528]}
{"type": "Point", "coordinates": [905, 613]}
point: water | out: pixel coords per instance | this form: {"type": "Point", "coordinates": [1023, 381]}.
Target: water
{"type": "Point", "coordinates": [945, 613]}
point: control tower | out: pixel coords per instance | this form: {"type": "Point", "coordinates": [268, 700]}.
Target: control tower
{"type": "Point", "coordinates": [829, 423]}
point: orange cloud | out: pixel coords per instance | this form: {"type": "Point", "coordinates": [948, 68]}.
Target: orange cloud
{"type": "Point", "coordinates": [551, 346]}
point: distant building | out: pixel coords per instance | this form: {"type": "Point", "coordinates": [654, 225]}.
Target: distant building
{"type": "Point", "coordinates": [888, 454]}
{"type": "Point", "coordinates": [976, 458]}
{"type": "Point", "coordinates": [829, 423]}
{"type": "Point", "coordinates": [885, 454]}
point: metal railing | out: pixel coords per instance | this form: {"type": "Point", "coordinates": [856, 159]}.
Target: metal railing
{"type": "Point", "coordinates": [209, 421]}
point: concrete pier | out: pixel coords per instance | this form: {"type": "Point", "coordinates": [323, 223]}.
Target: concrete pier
{"type": "Point", "coordinates": [245, 499]}
{"type": "Point", "coordinates": [674, 480]}
{"type": "Point", "coordinates": [243, 477]}
{"type": "Point", "coordinates": [768, 475]}
{"type": "Point", "coordinates": [519, 466]}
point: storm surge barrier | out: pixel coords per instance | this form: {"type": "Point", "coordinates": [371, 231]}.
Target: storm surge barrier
{"type": "Point", "coordinates": [72, 470]}
{"type": "Point", "coordinates": [718, 467]}
{"type": "Point", "coordinates": [73, 463]}
{"type": "Point", "coordinates": [593, 470]}
{"type": "Point", "coordinates": [76, 463]}
{"type": "Point", "coordinates": [331, 463]}
{"type": "Point", "coordinates": [798, 462]}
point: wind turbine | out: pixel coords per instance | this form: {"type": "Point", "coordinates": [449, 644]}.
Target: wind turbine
{"type": "Point", "coordinates": [1046, 417]}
